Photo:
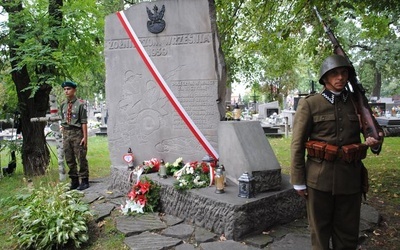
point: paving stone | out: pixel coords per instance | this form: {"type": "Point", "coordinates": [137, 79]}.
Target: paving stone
{"type": "Point", "coordinates": [202, 235]}
{"type": "Point", "coordinates": [150, 241]}
{"type": "Point", "coordinates": [130, 225]}
{"type": "Point", "coordinates": [278, 232]}
{"type": "Point", "coordinates": [115, 194]}
{"type": "Point", "coordinates": [259, 241]}
{"type": "Point", "coordinates": [118, 202]}
{"type": "Point", "coordinates": [180, 231]}
{"type": "Point", "coordinates": [102, 210]}
{"type": "Point", "coordinates": [185, 247]}
{"type": "Point", "coordinates": [91, 197]}
{"type": "Point", "coordinates": [171, 220]}
{"type": "Point", "coordinates": [370, 214]}
{"type": "Point", "coordinates": [364, 226]}
{"type": "Point", "coordinates": [99, 187]}
{"type": "Point", "coordinates": [224, 245]}
{"type": "Point", "coordinates": [292, 241]}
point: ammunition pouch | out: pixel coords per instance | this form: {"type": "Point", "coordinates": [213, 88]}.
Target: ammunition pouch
{"type": "Point", "coordinates": [328, 152]}
{"type": "Point", "coordinates": [316, 149]}
{"type": "Point", "coordinates": [354, 152]}
{"type": "Point", "coordinates": [331, 152]}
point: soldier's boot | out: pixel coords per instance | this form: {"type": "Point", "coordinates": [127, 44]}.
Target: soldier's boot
{"type": "Point", "coordinates": [84, 184]}
{"type": "Point", "coordinates": [74, 183]}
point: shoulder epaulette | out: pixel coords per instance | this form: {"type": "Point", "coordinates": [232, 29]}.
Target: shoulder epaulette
{"type": "Point", "coordinates": [309, 95]}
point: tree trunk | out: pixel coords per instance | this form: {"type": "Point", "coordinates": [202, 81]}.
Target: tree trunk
{"type": "Point", "coordinates": [35, 154]}
{"type": "Point", "coordinates": [376, 91]}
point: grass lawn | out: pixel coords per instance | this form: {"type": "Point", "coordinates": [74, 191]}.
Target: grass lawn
{"type": "Point", "coordinates": [384, 192]}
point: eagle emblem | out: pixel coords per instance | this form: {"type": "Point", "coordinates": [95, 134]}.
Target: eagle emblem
{"type": "Point", "coordinates": [156, 24]}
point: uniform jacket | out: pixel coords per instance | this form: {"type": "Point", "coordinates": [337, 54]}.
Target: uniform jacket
{"type": "Point", "coordinates": [331, 119]}
{"type": "Point", "coordinates": [78, 115]}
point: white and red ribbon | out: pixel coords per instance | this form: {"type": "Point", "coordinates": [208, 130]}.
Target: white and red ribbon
{"type": "Point", "coordinates": [165, 88]}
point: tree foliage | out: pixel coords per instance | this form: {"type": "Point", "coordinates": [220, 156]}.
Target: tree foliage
{"type": "Point", "coordinates": [45, 43]}
{"type": "Point", "coordinates": [286, 39]}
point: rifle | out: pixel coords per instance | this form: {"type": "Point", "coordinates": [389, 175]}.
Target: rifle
{"type": "Point", "coordinates": [369, 124]}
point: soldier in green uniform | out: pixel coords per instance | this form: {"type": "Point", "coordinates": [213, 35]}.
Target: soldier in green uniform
{"type": "Point", "coordinates": [74, 128]}
{"type": "Point", "coordinates": [327, 127]}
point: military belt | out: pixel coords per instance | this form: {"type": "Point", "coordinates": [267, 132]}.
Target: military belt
{"type": "Point", "coordinates": [329, 152]}
{"type": "Point", "coordinates": [72, 128]}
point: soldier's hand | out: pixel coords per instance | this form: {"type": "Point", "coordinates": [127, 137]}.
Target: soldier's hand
{"type": "Point", "coordinates": [83, 142]}
{"type": "Point", "coordinates": [372, 142]}
{"type": "Point", "coordinates": [303, 193]}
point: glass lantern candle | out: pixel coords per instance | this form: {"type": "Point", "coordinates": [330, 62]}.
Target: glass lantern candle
{"type": "Point", "coordinates": [219, 181]}
{"type": "Point", "coordinates": [162, 171]}
{"type": "Point", "coordinates": [246, 186]}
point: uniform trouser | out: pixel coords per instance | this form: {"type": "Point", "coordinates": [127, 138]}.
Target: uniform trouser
{"type": "Point", "coordinates": [75, 152]}
{"type": "Point", "coordinates": [333, 216]}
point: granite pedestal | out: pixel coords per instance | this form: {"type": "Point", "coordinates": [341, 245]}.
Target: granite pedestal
{"type": "Point", "coordinates": [225, 213]}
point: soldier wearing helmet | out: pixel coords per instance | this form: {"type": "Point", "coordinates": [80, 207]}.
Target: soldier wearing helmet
{"type": "Point", "coordinates": [325, 128]}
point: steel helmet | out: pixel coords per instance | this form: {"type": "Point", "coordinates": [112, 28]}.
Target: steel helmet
{"type": "Point", "coordinates": [332, 62]}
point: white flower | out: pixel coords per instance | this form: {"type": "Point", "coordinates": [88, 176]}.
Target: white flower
{"type": "Point", "coordinates": [177, 161]}
{"type": "Point", "coordinates": [190, 170]}
{"type": "Point", "coordinates": [197, 181]}
{"type": "Point", "coordinates": [132, 206]}
{"type": "Point", "coordinates": [181, 171]}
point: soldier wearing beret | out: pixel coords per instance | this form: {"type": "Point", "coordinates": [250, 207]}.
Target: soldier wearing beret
{"type": "Point", "coordinates": [327, 128]}
{"type": "Point", "coordinates": [74, 126]}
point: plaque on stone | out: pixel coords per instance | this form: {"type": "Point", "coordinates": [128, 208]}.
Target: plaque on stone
{"type": "Point", "coordinates": [186, 54]}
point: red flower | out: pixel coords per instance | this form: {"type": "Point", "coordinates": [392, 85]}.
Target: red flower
{"type": "Point", "coordinates": [205, 168]}
{"type": "Point", "coordinates": [138, 192]}
{"type": "Point", "coordinates": [132, 194]}
{"type": "Point", "coordinates": [193, 164]}
{"type": "Point", "coordinates": [143, 187]}
{"type": "Point", "coordinates": [141, 199]}
{"type": "Point", "coordinates": [156, 164]}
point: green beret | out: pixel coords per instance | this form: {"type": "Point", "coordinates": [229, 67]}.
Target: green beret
{"type": "Point", "coordinates": [69, 84]}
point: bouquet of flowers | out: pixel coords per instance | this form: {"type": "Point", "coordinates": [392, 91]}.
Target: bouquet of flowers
{"type": "Point", "coordinates": [192, 175]}
{"type": "Point", "coordinates": [174, 167]}
{"type": "Point", "coordinates": [151, 166]}
{"type": "Point", "coordinates": [143, 197]}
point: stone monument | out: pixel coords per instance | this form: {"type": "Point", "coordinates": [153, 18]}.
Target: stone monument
{"type": "Point", "coordinates": [165, 92]}
{"type": "Point", "coordinates": [181, 41]}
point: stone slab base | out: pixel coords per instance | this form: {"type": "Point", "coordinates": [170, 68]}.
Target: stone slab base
{"type": "Point", "coordinates": [243, 147]}
{"type": "Point", "coordinates": [267, 180]}
{"type": "Point", "coordinates": [223, 213]}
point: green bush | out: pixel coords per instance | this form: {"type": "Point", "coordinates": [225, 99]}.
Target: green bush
{"type": "Point", "coordinates": [50, 217]}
